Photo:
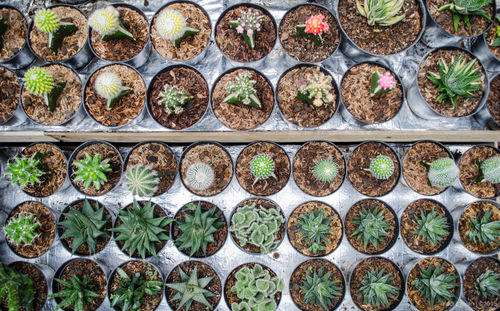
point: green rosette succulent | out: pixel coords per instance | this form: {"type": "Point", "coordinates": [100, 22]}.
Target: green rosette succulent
{"type": "Point", "coordinates": [315, 229]}
{"type": "Point", "coordinates": [48, 22]}
{"type": "Point", "coordinates": [24, 171]}
{"type": "Point", "coordinates": [92, 171]}
{"type": "Point", "coordinates": [107, 23]}
{"type": "Point", "coordinates": [319, 290]}
{"type": "Point", "coordinates": [434, 285]}
{"type": "Point", "coordinates": [377, 288]}
{"type": "Point", "coordinates": [465, 8]}
{"type": "Point", "coordinates": [484, 230]}
{"type": "Point", "coordinates": [372, 227]}
{"type": "Point", "coordinates": [22, 229]}
{"type": "Point", "coordinates": [16, 289]}
{"type": "Point", "coordinates": [488, 284]}
{"type": "Point", "coordinates": [381, 12]}
{"type": "Point", "coordinates": [431, 226]}
{"type": "Point", "coordinates": [76, 293]}
{"type": "Point", "coordinates": [39, 82]}
{"type": "Point", "coordinates": [242, 91]}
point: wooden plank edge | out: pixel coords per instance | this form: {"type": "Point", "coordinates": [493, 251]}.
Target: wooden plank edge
{"type": "Point", "coordinates": [25, 136]}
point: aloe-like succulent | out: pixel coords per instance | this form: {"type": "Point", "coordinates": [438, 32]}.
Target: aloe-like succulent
{"type": "Point", "coordinates": [107, 23]}
{"type": "Point", "coordinates": [242, 91]}
{"type": "Point", "coordinates": [109, 85]}
{"type": "Point", "coordinates": [484, 230]}
{"type": "Point", "coordinates": [256, 289]}
{"type": "Point", "coordinates": [191, 289]}
{"type": "Point", "coordinates": [313, 29]}
{"type": "Point", "coordinates": [199, 176]}
{"type": "Point", "coordinates": [247, 25]}
{"type": "Point", "coordinates": [16, 289]}
{"type": "Point", "coordinates": [131, 291]}
{"type": "Point", "coordinates": [174, 99]}
{"type": "Point", "coordinates": [171, 25]}
{"type": "Point", "coordinates": [317, 91]}
{"type": "Point", "coordinates": [381, 84]}
{"type": "Point", "coordinates": [431, 226]}
{"type": "Point", "coordinates": [85, 226]}
{"type": "Point", "coordinates": [142, 180]}
{"type": "Point", "coordinates": [22, 229]}
{"type": "Point", "coordinates": [489, 170]}
{"type": "Point", "coordinates": [464, 8]}
{"type": "Point", "coordinates": [76, 294]}
{"type": "Point", "coordinates": [381, 167]}
{"type": "Point", "coordinates": [488, 284]}
{"type": "Point", "coordinates": [433, 284]}
{"type": "Point", "coordinates": [372, 226]}
{"type": "Point", "coordinates": [39, 82]}
{"type": "Point", "coordinates": [458, 78]}
{"type": "Point", "coordinates": [198, 229]}
{"type": "Point", "coordinates": [24, 171]}
{"type": "Point", "coordinates": [381, 12]}
{"type": "Point", "coordinates": [315, 229]}
{"type": "Point", "coordinates": [48, 21]}
{"type": "Point", "coordinates": [442, 172]}
{"type": "Point", "coordinates": [325, 170]}
{"type": "Point", "coordinates": [319, 289]}
{"type": "Point", "coordinates": [140, 229]}
{"type": "Point", "coordinates": [377, 288]}
{"type": "Point", "coordinates": [258, 226]}
{"type": "Point", "coordinates": [262, 167]}
{"type": "Point", "coordinates": [3, 30]}
{"type": "Point", "coordinates": [92, 171]}
{"type": "Point", "coordinates": [496, 40]}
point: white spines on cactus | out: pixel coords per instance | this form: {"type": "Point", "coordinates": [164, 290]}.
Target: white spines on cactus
{"type": "Point", "coordinates": [39, 82]}
{"type": "Point", "coordinates": [242, 90]}
{"type": "Point", "coordinates": [48, 22]}
{"type": "Point", "coordinates": [199, 176]}
{"type": "Point", "coordinates": [491, 169]}
{"type": "Point", "coordinates": [325, 170]}
{"type": "Point", "coordinates": [171, 25]}
{"type": "Point", "coordinates": [174, 99]}
{"type": "Point", "coordinates": [443, 172]}
{"type": "Point", "coordinates": [107, 23]}
{"type": "Point", "coordinates": [262, 167]}
{"type": "Point", "coordinates": [381, 167]}
{"type": "Point", "coordinates": [142, 180]}
{"type": "Point", "coordinates": [109, 85]}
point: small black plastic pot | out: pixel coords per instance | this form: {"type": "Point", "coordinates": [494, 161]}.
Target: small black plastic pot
{"type": "Point", "coordinates": [485, 116]}
{"type": "Point", "coordinates": [24, 57]}
{"type": "Point", "coordinates": [483, 51]}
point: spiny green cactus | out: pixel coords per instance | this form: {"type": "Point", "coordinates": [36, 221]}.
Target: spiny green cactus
{"type": "Point", "coordinates": [191, 289]}
{"type": "Point", "coordinates": [130, 294]}
{"type": "Point", "coordinates": [325, 170]}
{"type": "Point", "coordinates": [489, 170]}
{"type": "Point", "coordinates": [488, 284]}
{"type": "Point", "coordinates": [3, 29]}
{"type": "Point", "coordinates": [317, 91]}
{"type": "Point", "coordinates": [372, 226]}
{"type": "Point", "coordinates": [464, 8]}
{"type": "Point", "coordinates": [457, 79]}
{"type": "Point", "coordinates": [247, 25]}
{"type": "Point", "coordinates": [313, 29]}
{"type": "Point", "coordinates": [22, 229]}
{"type": "Point", "coordinates": [381, 84]}
{"type": "Point", "coordinates": [484, 230]}
{"type": "Point", "coordinates": [142, 180]}
{"type": "Point", "coordinates": [109, 85]}
{"type": "Point", "coordinates": [140, 229]}
{"type": "Point", "coordinates": [433, 284]}
{"type": "Point", "coordinates": [256, 289]}
{"type": "Point", "coordinates": [198, 229]}
{"type": "Point", "coordinates": [381, 167]}
{"type": "Point", "coordinates": [315, 229]}
{"type": "Point", "coordinates": [16, 289]}
{"type": "Point", "coordinates": [39, 82]}
{"type": "Point", "coordinates": [496, 40]}
{"type": "Point", "coordinates": [377, 288]}
{"type": "Point", "coordinates": [171, 25]}
{"type": "Point", "coordinates": [258, 226]}
{"type": "Point", "coordinates": [319, 289]}
{"type": "Point", "coordinates": [381, 12]}
{"type": "Point", "coordinates": [24, 171]}
{"type": "Point", "coordinates": [262, 167]}
{"type": "Point", "coordinates": [48, 21]}
{"type": "Point", "coordinates": [85, 226]}
{"type": "Point", "coordinates": [242, 91]}
{"type": "Point", "coordinates": [107, 23]}
{"type": "Point", "coordinates": [442, 172]}
{"type": "Point", "coordinates": [174, 99]}
{"type": "Point", "coordinates": [431, 226]}
{"type": "Point", "coordinates": [76, 294]}
{"type": "Point", "coordinates": [199, 176]}
{"type": "Point", "coordinates": [91, 171]}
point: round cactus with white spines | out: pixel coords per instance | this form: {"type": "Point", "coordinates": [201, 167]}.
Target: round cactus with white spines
{"type": "Point", "coordinates": [443, 172]}
{"type": "Point", "coordinates": [325, 170]}
{"type": "Point", "coordinates": [262, 167]}
{"type": "Point", "coordinates": [381, 167]}
{"type": "Point", "coordinates": [171, 25]}
{"type": "Point", "coordinates": [106, 22]}
{"type": "Point", "coordinates": [109, 85]}
{"type": "Point", "coordinates": [48, 22]}
{"type": "Point", "coordinates": [199, 176]}
{"type": "Point", "coordinates": [39, 82]}
{"type": "Point", "coordinates": [142, 180]}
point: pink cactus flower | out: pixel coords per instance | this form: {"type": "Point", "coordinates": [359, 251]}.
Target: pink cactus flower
{"type": "Point", "coordinates": [315, 25]}
{"type": "Point", "coordinates": [386, 81]}
{"type": "Point", "coordinates": [239, 29]}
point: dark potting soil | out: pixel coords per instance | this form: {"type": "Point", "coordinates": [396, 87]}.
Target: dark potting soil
{"type": "Point", "coordinates": [9, 94]}
{"type": "Point", "coordinates": [469, 170]}
{"type": "Point", "coordinates": [14, 37]}
{"type": "Point", "coordinates": [493, 102]}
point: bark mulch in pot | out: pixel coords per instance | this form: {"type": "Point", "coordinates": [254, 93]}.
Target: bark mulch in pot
{"type": "Point", "coordinates": [71, 44]}
{"type": "Point", "coordinates": [414, 173]}
{"type": "Point", "coordinates": [204, 270]}
{"type": "Point", "coordinates": [474, 298]}
{"type": "Point", "coordinates": [355, 90]}
{"type": "Point", "coordinates": [355, 211]}
{"type": "Point", "coordinates": [146, 270]}
{"type": "Point", "coordinates": [123, 49]}
{"type": "Point", "coordinates": [469, 170]}
{"type": "Point", "coordinates": [301, 48]}
{"type": "Point", "coordinates": [364, 181]}
{"type": "Point", "coordinates": [414, 294]}
{"type": "Point", "coordinates": [306, 158]}
{"type": "Point", "coordinates": [444, 19]}
{"type": "Point", "coordinates": [14, 37]}
{"type": "Point", "coordinates": [428, 89]}
{"type": "Point", "coordinates": [493, 102]}
{"type": "Point", "coordinates": [334, 235]}
{"type": "Point", "coordinates": [409, 225]}
{"type": "Point", "coordinates": [67, 104]}
{"type": "Point", "coordinates": [192, 45]}
{"type": "Point", "coordinates": [472, 211]}
{"type": "Point", "coordinates": [238, 116]}
{"type": "Point", "coordinates": [381, 40]}
{"type": "Point", "coordinates": [39, 285]}
{"type": "Point", "coordinates": [189, 81]}
{"type": "Point", "coordinates": [45, 232]}
{"type": "Point", "coordinates": [219, 235]}
{"type": "Point", "coordinates": [215, 156]}
{"type": "Point", "coordinates": [300, 112]}
{"type": "Point", "coordinates": [127, 108]}
{"type": "Point", "coordinates": [234, 46]}
{"type": "Point", "coordinates": [54, 166]}
{"type": "Point", "coordinates": [369, 265]}
{"type": "Point", "coordinates": [9, 94]}
{"type": "Point", "coordinates": [106, 152]}
{"type": "Point", "coordinates": [298, 278]}
{"type": "Point", "coordinates": [490, 36]}
{"type": "Point", "coordinates": [268, 186]}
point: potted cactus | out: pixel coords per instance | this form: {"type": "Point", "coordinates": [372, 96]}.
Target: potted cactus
{"type": "Point", "coordinates": [206, 168]}
{"type": "Point", "coordinates": [307, 95]}
{"type": "Point", "coordinates": [178, 97]}
{"type": "Point", "coordinates": [242, 98]}
{"type": "Point", "coordinates": [309, 33]}
{"type": "Point", "coordinates": [245, 32]}
{"type": "Point", "coordinates": [481, 284]}
{"type": "Point", "coordinates": [480, 171]}
{"type": "Point", "coordinates": [30, 229]}
{"type": "Point", "coordinates": [317, 284]}
{"type": "Point", "coordinates": [9, 93]}
{"type": "Point", "coordinates": [315, 229]}
{"type": "Point", "coordinates": [13, 34]}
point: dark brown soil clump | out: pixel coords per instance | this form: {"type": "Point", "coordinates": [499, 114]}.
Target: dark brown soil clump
{"type": "Point", "coordinates": [469, 170]}
{"type": "Point", "coordinates": [493, 102]}
{"type": "Point", "coordinates": [9, 94]}
{"type": "Point", "coordinates": [471, 212]}
{"type": "Point", "coordinates": [39, 285]}
{"type": "Point", "coordinates": [14, 37]}
{"type": "Point", "coordinates": [475, 299]}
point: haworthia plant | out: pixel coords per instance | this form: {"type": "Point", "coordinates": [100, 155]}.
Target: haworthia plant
{"type": "Point", "coordinates": [484, 230]}
{"type": "Point", "coordinates": [315, 229]}
{"type": "Point", "coordinates": [171, 25]}
{"type": "Point", "coordinates": [76, 293]}
{"type": "Point", "coordinates": [48, 22]}
{"type": "Point", "coordinates": [377, 288]}
{"type": "Point", "coordinates": [372, 227]}
{"type": "Point", "coordinates": [488, 284]}
{"type": "Point", "coordinates": [319, 289]}
{"type": "Point", "coordinates": [381, 12]}
{"type": "Point", "coordinates": [431, 226]}
{"type": "Point", "coordinates": [464, 8]}
{"type": "Point", "coordinates": [434, 285]}
{"type": "Point", "coordinates": [107, 23]}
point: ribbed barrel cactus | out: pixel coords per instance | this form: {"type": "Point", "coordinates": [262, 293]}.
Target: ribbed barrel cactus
{"type": "Point", "coordinates": [247, 25]}
{"type": "Point", "coordinates": [39, 82]}
{"type": "Point", "coordinates": [106, 22]}
{"type": "Point", "coordinates": [47, 21]}
{"type": "Point", "coordinates": [174, 99]}
{"type": "Point", "coordinates": [313, 29]}
{"type": "Point", "coordinates": [325, 170]}
{"type": "Point", "coordinates": [109, 85]}
{"type": "Point", "coordinates": [199, 176]}
{"type": "Point", "coordinates": [381, 167]}
{"type": "Point", "coordinates": [171, 25]}
{"type": "Point", "coordinates": [242, 90]}
{"type": "Point", "coordinates": [142, 180]}
{"type": "Point", "coordinates": [317, 91]}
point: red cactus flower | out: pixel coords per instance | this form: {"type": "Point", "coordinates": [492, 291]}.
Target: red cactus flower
{"type": "Point", "coordinates": [315, 25]}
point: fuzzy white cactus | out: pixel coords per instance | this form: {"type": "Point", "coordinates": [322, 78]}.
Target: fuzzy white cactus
{"type": "Point", "coordinates": [109, 85]}
{"type": "Point", "coordinates": [442, 172]}
{"type": "Point", "coordinates": [489, 170]}
{"type": "Point", "coordinates": [199, 176]}
{"type": "Point", "coordinates": [107, 23]}
{"type": "Point", "coordinates": [171, 25]}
